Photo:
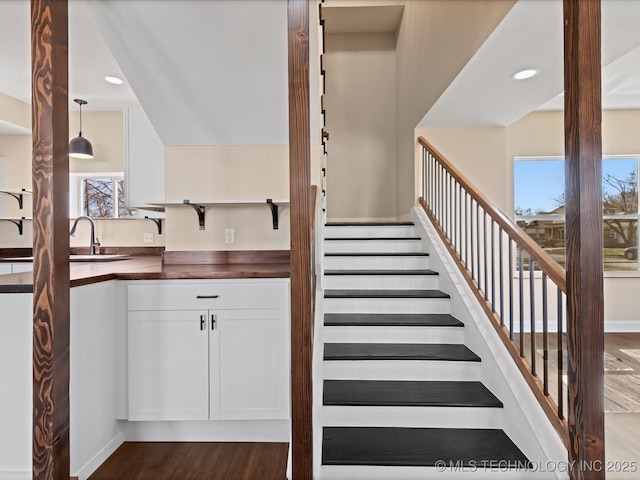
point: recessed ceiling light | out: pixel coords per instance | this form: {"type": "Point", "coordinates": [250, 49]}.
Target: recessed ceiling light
{"type": "Point", "coordinates": [526, 73]}
{"type": "Point", "coordinates": [114, 80]}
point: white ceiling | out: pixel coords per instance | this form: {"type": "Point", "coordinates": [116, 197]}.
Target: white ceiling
{"type": "Point", "coordinates": [531, 35]}
{"type": "Point", "coordinates": [215, 72]}
{"type": "Point", "coordinates": [205, 72]}
{"type": "Point", "coordinates": [89, 58]}
{"type": "Point", "coordinates": [366, 19]}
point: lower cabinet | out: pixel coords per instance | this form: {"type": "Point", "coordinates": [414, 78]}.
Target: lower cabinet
{"type": "Point", "coordinates": [228, 361]}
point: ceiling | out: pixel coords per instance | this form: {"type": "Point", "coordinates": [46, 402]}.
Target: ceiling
{"type": "Point", "coordinates": [365, 19]}
{"type": "Point", "coordinates": [531, 35]}
{"type": "Point", "coordinates": [215, 72]}
{"type": "Point", "coordinates": [206, 72]}
{"type": "Point", "coordinates": [90, 60]}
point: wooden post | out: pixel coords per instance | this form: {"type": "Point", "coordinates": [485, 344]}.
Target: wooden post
{"type": "Point", "coordinates": [50, 120]}
{"type": "Point", "coordinates": [583, 193]}
{"type": "Point", "coordinates": [300, 191]}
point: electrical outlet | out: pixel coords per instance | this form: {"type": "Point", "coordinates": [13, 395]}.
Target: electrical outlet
{"type": "Point", "coordinates": [147, 237]}
{"type": "Point", "coordinates": [229, 236]}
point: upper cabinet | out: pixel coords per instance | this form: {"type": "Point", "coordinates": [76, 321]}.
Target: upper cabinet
{"type": "Point", "coordinates": [144, 159]}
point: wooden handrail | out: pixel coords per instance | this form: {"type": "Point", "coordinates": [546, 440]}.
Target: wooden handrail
{"type": "Point", "coordinates": [450, 203]}
{"type": "Point", "coordinates": [554, 271]}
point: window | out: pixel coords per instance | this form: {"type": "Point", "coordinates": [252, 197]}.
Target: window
{"type": "Point", "coordinates": [539, 207]}
{"type": "Point", "coordinates": [99, 195]}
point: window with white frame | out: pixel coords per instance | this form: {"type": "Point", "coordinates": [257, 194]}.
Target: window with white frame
{"type": "Point", "coordinates": [98, 195]}
{"type": "Point", "coordinates": [539, 207]}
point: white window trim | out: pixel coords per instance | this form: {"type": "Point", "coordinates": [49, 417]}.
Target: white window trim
{"type": "Point", "coordinates": [517, 218]}
{"type": "Point", "coordinates": [76, 193]}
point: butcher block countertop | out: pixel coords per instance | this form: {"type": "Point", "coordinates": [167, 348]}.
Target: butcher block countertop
{"type": "Point", "coordinates": [169, 265]}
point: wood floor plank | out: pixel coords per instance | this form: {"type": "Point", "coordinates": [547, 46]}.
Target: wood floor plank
{"type": "Point", "coordinates": [195, 461]}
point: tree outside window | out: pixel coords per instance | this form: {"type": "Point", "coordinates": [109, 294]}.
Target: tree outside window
{"type": "Point", "coordinates": [539, 207]}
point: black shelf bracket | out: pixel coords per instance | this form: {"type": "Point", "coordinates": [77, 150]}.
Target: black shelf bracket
{"type": "Point", "coordinates": [17, 222]}
{"type": "Point", "coordinates": [157, 221]}
{"type": "Point", "coordinates": [18, 196]}
{"type": "Point", "coordinates": [199, 210]}
{"type": "Point", "coordinates": [274, 213]}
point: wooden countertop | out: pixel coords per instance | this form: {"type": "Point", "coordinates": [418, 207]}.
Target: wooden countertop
{"type": "Point", "coordinates": [147, 267]}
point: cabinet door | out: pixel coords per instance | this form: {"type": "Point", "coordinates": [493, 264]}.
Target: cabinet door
{"type": "Point", "coordinates": [249, 365]}
{"type": "Point", "coordinates": [168, 365]}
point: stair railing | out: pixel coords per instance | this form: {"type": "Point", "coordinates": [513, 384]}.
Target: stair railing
{"type": "Point", "coordinates": [509, 274]}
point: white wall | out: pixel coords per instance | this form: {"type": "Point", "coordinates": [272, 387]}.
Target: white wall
{"type": "Point", "coordinates": [486, 155]}
{"type": "Point", "coordinates": [227, 173]}
{"type": "Point", "coordinates": [436, 40]}
{"type": "Point", "coordinates": [361, 108]}
{"type": "Point", "coordinates": [105, 130]}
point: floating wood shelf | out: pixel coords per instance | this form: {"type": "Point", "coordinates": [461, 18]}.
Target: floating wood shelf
{"type": "Point", "coordinates": [17, 194]}
{"type": "Point", "coordinates": [200, 207]}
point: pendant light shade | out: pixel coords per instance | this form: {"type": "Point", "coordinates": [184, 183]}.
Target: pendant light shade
{"type": "Point", "coordinates": [80, 147]}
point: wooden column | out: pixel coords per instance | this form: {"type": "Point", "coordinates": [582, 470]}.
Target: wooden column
{"type": "Point", "coordinates": [50, 120]}
{"type": "Point", "coordinates": [299, 190]}
{"type": "Point", "coordinates": [583, 192]}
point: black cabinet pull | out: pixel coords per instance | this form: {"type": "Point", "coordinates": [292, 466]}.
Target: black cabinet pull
{"type": "Point", "coordinates": [213, 322]}
{"type": "Point", "coordinates": [207, 296]}
{"type": "Point", "coordinates": [202, 322]}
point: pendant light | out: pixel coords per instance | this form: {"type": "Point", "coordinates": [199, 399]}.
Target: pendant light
{"type": "Point", "coordinates": [80, 147]}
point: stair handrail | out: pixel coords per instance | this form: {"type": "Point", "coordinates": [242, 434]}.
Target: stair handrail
{"type": "Point", "coordinates": [445, 189]}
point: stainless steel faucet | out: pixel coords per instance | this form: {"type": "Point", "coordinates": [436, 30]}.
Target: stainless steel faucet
{"type": "Point", "coordinates": [94, 241]}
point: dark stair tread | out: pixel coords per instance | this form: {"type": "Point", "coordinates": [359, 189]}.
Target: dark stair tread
{"type": "Point", "coordinates": [392, 319]}
{"type": "Point", "coordinates": [376, 254]}
{"type": "Point", "coordinates": [381, 272]}
{"type": "Point", "coordinates": [399, 351]}
{"type": "Point", "coordinates": [385, 294]}
{"type": "Point", "coordinates": [413, 239]}
{"type": "Point", "coordinates": [408, 393]}
{"type": "Point", "coordinates": [369, 224]}
{"type": "Point", "coordinates": [418, 447]}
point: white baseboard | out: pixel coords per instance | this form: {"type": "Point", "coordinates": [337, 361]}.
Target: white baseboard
{"type": "Point", "coordinates": [622, 326]}
{"type": "Point", "coordinates": [15, 475]}
{"type": "Point", "coordinates": [610, 326]}
{"type": "Point", "coordinates": [99, 458]}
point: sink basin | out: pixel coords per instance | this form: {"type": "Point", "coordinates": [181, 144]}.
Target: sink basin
{"type": "Point", "coordinates": [95, 258]}
{"type": "Point", "coordinates": [77, 258]}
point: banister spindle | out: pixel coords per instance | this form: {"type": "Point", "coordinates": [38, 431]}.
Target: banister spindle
{"type": "Point", "coordinates": [510, 272]}
{"type": "Point", "coordinates": [521, 291]}
{"type": "Point", "coordinates": [532, 305]}
{"type": "Point", "coordinates": [545, 336]}
{"type": "Point", "coordinates": [501, 269]}
{"type": "Point", "coordinates": [560, 357]}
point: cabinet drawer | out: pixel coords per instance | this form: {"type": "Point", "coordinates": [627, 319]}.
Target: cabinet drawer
{"type": "Point", "coordinates": [209, 295]}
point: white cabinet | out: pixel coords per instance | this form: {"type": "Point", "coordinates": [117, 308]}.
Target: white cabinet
{"type": "Point", "coordinates": [168, 365]}
{"type": "Point", "coordinates": [212, 350]}
{"type": "Point", "coordinates": [144, 159]}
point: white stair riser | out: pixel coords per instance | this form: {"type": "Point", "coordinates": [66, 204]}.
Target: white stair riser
{"type": "Point", "coordinates": [374, 334]}
{"type": "Point", "coordinates": [417, 417]}
{"type": "Point", "coordinates": [382, 282]}
{"type": "Point", "coordinates": [378, 231]}
{"type": "Point", "coordinates": [376, 263]}
{"type": "Point", "coordinates": [365, 472]}
{"type": "Point", "coordinates": [400, 370]}
{"type": "Point", "coordinates": [365, 246]}
{"type": "Point", "coordinates": [386, 305]}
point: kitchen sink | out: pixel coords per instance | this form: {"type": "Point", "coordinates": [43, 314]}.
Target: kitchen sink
{"type": "Point", "coordinates": [77, 258]}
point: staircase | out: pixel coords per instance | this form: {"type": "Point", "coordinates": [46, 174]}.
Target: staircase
{"type": "Point", "coordinates": [401, 390]}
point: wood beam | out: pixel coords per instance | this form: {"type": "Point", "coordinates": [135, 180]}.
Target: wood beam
{"type": "Point", "coordinates": [583, 192]}
{"type": "Point", "coordinates": [50, 164]}
{"type": "Point", "coordinates": [300, 191]}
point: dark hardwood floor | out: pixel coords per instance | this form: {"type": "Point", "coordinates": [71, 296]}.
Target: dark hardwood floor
{"type": "Point", "coordinates": [195, 461]}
